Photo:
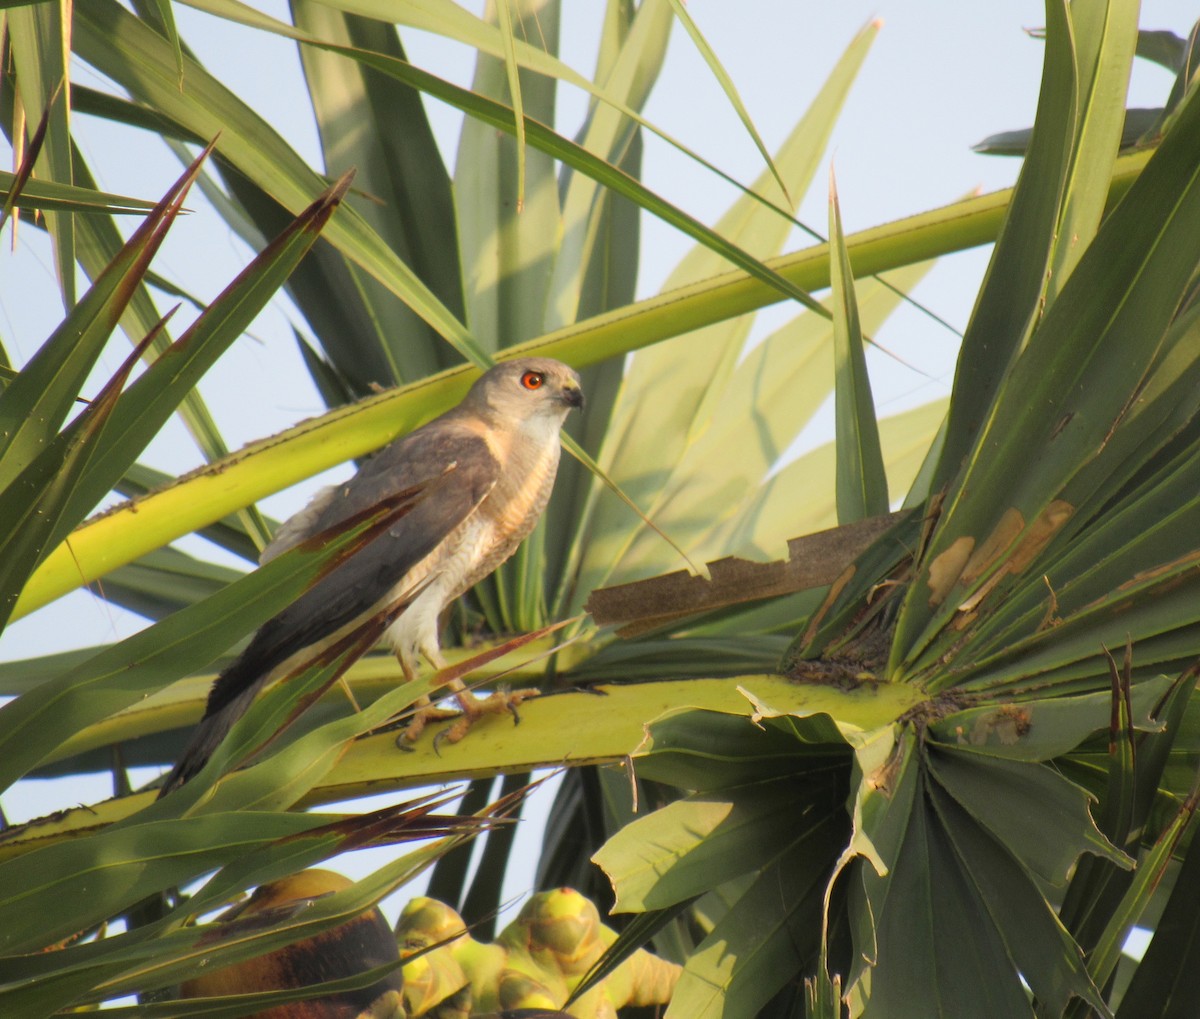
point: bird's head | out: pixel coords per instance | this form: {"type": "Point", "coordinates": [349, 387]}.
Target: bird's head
{"type": "Point", "coordinates": [528, 389]}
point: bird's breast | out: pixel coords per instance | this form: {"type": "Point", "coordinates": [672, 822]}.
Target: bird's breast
{"type": "Point", "coordinates": [485, 539]}
{"type": "Point", "coordinates": [514, 505]}
{"type": "Point", "coordinates": [491, 534]}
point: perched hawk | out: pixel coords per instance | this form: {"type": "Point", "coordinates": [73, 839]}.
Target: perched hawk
{"type": "Point", "coordinates": [492, 458]}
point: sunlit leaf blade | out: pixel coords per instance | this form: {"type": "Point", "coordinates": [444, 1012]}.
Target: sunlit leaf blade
{"type": "Point", "coordinates": [116, 43]}
{"type": "Point", "coordinates": [368, 334]}
{"type": "Point", "coordinates": [41, 503]}
{"type": "Point", "coordinates": [1008, 299]}
{"type": "Point", "coordinates": [1137, 123]}
{"type": "Point", "coordinates": [17, 182]}
{"type": "Point", "coordinates": [729, 88]}
{"type": "Point", "coordinates": [506, 254]}
{"type": "Point", "coordinates": [596, 269]}
{"type": "Point", "coordinates": [636, 54]}
{"type": "Point", "coordinates": [1159, 987]}
{"type": "Point", "coordinates": [229, 533]}
{"type": "Point", "coordinates": [184, 642]}
{"type": "Point", "coordinates": [862, 489]}
{"type": "Point", "coordinates": [699, 366]}
{"type": "Point", "coordinates": [34, 405]}
{"type": "Point", "coordinates": [769, 935]}
{"type": "Point", "coordinates": [1031, 450]}
{"type": "Point", "coordinates": [757, 529]}
{"type": "Point", "coordinates": [504, 17]}
{"type": "Point", "coordinates": [164, 581]}
{"type": "Point", "coordinates": [154, 397]}
{"type": "Point", "coordinates": [39, 37]}
{"type": "Point", "coordinates": [50, 195]}
{"type": "Point", "coordinates": [501, 116]}
{"type": "Point", "coordinates": [162, 16]}
{"type": "Point", "coordinates": [1104, 37]}
{"type": "Point", "coordinates": [448, 18]}
{"type": "Point", "coordinates": [573, 448]}
{"type": "Point", "coordinates": [164, 952]}
{"type": "Point", "coordinates": [254, 472]}
{"type": "Point", "coordinates": [97, 241]}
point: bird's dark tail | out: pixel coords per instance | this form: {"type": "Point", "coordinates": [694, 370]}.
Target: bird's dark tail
{"type": "Point", "coordinates": [213, 728]}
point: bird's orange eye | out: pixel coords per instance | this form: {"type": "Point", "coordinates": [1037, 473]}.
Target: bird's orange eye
{"type": "Point", "coordinates": [533, 380]}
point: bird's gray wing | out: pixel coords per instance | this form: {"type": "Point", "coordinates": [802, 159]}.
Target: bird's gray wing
{"type": "Point", "coordinates": [412, 460]}
{"type": "Point", "coordinates": [300, 525]}
{"type": "Point", "coordinates": [460, 469]}
{"type": "Point", "coordinates": [357, 584]}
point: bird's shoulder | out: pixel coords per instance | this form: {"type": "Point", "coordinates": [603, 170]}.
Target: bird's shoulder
{"type": "Point", "coordinates": [448, 452]}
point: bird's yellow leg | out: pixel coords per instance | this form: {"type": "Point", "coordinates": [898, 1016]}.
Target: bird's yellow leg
{"type": "Point", "coordinates": [425, 712]}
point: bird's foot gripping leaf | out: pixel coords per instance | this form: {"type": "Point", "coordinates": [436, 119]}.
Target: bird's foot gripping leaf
{"type": "Point", "coordinates": [472, 709]}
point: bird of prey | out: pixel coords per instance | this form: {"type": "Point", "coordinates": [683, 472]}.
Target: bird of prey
{"type": "Point", "coordinates": [488, 464]}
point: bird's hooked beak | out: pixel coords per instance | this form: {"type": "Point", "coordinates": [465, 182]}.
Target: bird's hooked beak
{"type": "Point", "coordinates": [572, 395]}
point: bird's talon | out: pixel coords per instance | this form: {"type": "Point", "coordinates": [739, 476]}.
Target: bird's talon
{"type": "Point", "coordinates": [422, 716]}
{"type": "Point", "coordinates": [511, 700]}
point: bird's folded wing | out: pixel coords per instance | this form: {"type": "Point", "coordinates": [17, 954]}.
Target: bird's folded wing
{"type": "Point", "coordinates": [458, 469]}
